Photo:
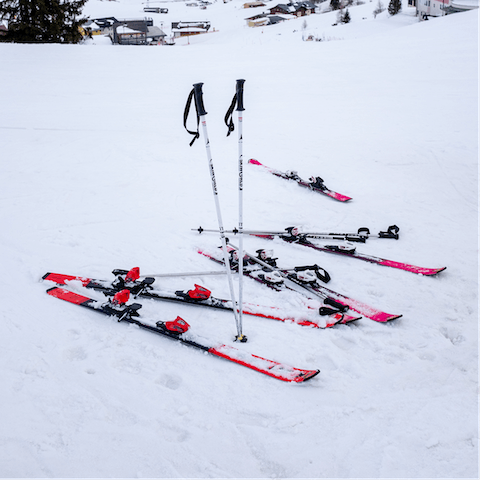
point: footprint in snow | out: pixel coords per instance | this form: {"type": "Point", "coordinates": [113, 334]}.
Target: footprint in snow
{"type": "Point", "coordinates": [168, 381]}
{"type": "Point", "coordinates": [75, 354]}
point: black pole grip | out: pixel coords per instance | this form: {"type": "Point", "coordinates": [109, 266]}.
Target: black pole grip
{"type": "Point", "coordinates": [364, 231]}
{"type": "Point", "coordinates": [239, 92]}
{"type": "Point", "coordinates": [198, 94]}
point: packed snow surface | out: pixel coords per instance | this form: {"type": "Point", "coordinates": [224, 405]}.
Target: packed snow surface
{"type": "Point", "coordinates": [97, 174]}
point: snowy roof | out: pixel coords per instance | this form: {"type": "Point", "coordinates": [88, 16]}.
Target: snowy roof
{"type": "Point", "coordinates": [155, 32]}
{"type": "Point", "coordinates": [276, 19]}
{"type": "Point", "coordinates": [293, 7]}
{"type": "Point", "coordinates": [287, 7]}
{"type": "Point", "coordinates": [92, 24]}
{"type": "Point", "coordinates": [122, 29]}
{"type": "Point", "coordinates": [465, 4]}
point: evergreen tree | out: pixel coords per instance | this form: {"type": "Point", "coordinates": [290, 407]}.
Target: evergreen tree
{"type": "Point", "coordinates": [394, 7]}
{"type": "Point", "coordinates": [45, 21]}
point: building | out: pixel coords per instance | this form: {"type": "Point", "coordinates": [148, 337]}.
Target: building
{"type": "Point", "coordinates": [136, 32]}
{"type": "Point", "coordinates": [262, 20]}
{"type": "Point", "coordinates": [298, 9]}
{"type": "Point", "coordinates": [253, 4]}
{"type": "Point", "coordinates": [184, 29]}
{"type": "Point", "coordinates": [438, 8]}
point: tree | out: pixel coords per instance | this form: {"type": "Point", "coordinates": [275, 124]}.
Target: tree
{"type": "Point", "coordinates": [45, 21]}
{"type": "Point", "coordinates": [335, 4]}
{"type": "Point", "coordinates": [394, 7]}
{"type": "Point", "coordinates": [379, 9]}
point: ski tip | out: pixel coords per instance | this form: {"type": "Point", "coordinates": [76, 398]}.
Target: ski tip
{"type": "Point", "coordinates": [433, 271]}
{"type": "Point", "coordinates": [306, 375]}
{"type": "Point", "coordinates": [254, 162]}
{"type": "Point", "coordinates": [392, 317]}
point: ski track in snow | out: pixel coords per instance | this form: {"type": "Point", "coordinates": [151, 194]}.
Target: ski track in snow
{"type": "Point", "coordinates": [97, 174]}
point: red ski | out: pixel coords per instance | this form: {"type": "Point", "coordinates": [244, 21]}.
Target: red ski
{"type": "Point", "coordinates": [197, 296]}
{"type": "Point", "coordinates": [329, 297]}
{"type": "Point", "coordinates": [176, 330]}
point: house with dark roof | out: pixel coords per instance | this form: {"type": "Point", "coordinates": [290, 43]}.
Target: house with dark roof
{"type": "Point", "coordinates": [184, 29]}
{"type": "Point", "coordinates": [299, 9]}
{"type": "Point", "coordinates": [262, 20]}
{"type": "Point", "coordinates": [136, 32]}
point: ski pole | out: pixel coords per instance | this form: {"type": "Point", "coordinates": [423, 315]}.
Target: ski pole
{"type": "Point", "coordinates": [240, 110]}
{"type": "Point", "coordinates": [201, 112]}
{"type": "Point", "coordinates": [238, 102]}
{"type": "Point", "coordinates": [186, 274]}
{"type": "Point", "coordinates": [361, 236]}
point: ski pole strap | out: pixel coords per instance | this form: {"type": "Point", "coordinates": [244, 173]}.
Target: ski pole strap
{"type": "Point", "coordinates": [229, 116]}
{"type": "Point", "coordinates": [199, 107]}
{"type": "Point", "coordinates": [188, 105]}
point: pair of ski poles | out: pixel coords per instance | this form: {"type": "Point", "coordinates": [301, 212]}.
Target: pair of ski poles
{"type": "Point", "coordinates": [237, 102]}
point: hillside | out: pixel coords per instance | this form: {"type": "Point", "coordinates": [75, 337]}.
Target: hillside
{"type": "Point", "coordinates": [97, 174]}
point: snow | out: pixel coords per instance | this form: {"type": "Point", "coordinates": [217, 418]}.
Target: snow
{"type": "Point", "coordinates": [97, 174]}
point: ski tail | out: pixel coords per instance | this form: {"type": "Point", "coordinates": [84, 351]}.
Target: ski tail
{"type": "Point", "coordinates": [62, 279]}
{"type": "Point", "coordinates": [72, 297]}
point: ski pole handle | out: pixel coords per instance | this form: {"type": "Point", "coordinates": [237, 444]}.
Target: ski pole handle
{"type": "Point", "coordinates": [198, 94]}
{"type": "Point", "coordinates": [239, 92]}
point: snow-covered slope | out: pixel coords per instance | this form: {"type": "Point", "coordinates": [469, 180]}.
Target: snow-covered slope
{"type": "Point", "coordinates": [97, 174]}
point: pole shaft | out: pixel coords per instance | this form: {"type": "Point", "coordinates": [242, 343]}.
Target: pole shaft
{"type": "Point", "coordinates": [220, 223]}
{"type": "Point", "coordinates": [240, 213]}
{"type": "Point", "coordinates": [185, 274]}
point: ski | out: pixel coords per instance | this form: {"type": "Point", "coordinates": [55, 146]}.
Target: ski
{"type": "Point", "coordinates": [199, 296]}
{"type": "Point", "coordinates": [311, 289]}
{"type": "Point", "coordinates": [176, 329]}
{"type": "Point", "coordinates": [271, 278]}
{"type": "Point", "coordinates": [316, 183]}
{"type": "Point", "coordinates": [350, 251]}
